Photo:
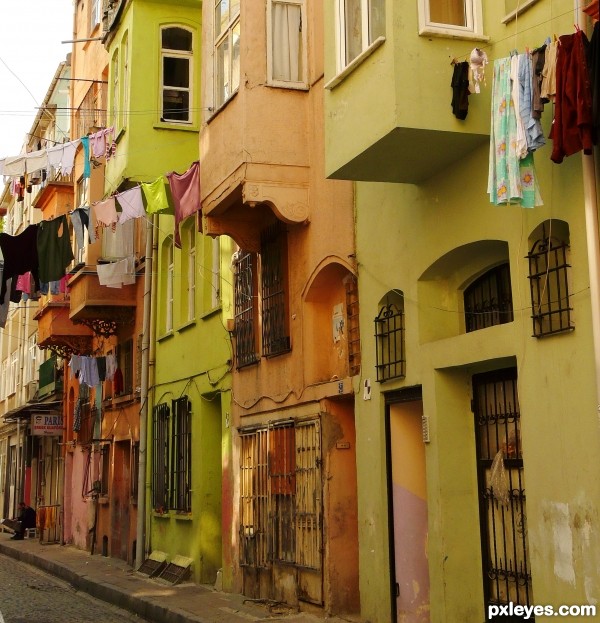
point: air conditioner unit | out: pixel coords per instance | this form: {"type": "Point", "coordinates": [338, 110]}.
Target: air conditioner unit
{"type": "Point", "coordinates": [31, 390]}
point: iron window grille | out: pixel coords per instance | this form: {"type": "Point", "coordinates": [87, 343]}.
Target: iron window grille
{"type": "Point", "coordinates": [389, 343]}
{"type": "Point", "coordinates": [181, 457]}
{"type": "Point", "coordinates": [503, 514]}
{"type": "Point", "coordinates": [125, 362]}
{"type": "Point", "coordinates": [245, 309]}
{"type": "Point", "coordinates": [104, 469]}
{"type": "Point", "coordinates": [160, 456]}
{"type": "Point", "coordinates": [354, 355]}
{"type": "Point", "coordinates": [488, 300]}
{"type": "Point", "coordinates": [273, 269]}
{"type": "Point", "coordinates": [549, 284]}
{"type": "Point", "coordinates": [281, 498]}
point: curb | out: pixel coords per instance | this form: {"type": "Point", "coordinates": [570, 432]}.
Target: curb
{"type": "Point", "coordinates": [145, 608]}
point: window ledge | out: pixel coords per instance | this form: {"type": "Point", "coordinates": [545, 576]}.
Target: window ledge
{"type": "Point", "coordinates": [517, 12]}
{"type": "Point", "coordinates": [158, 515]}
{"type": "Point", "coordinates": [215, 111]}
{"type": "Point", "coordinates": [292, 86]}
{"type": "Point", "coordinates": [184, 516]}
{"type": "Point", "coordinates": [165, 336]}
{"type": "Point", "coordinates": [451, 33]}
{"type": "Point", "coordinates": [186, 325]}
{"type": "Point", "coordinates": [210, 312]}
{"type": "Point", "coordinates": [167, 125]}
{"type": "Point", "coordinates": [355, 63]}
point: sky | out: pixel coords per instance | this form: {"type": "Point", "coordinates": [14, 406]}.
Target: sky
{"type": "Point", "coordinates": [31, 32]}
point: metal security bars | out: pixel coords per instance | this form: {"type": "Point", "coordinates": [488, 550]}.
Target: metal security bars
{"type": "Point", "coordinates": [389, 342]}
{"type": "Point", "coordinates": [245, 309]}
{"type": "Point", "coordinates": [160, 456]}
{"type": "Point", "coordinates": [505, 554]}
{"type": "Point", "coordinates": [181, 466]}
{"type": "Point", "coordinates": [353, 325]}
{"type": "Point", "coordinates": [253, 499]}
{"type": "Point", "coordinates": [488, 300]}
{"type": "Point", "coordinates": [309, 495]}
{"type": "Point", "coordinates": [273, 277]}
{"type": "Point", "coordinates": [548, 279]}
{"type": "Point", "coordinates": [281, 502]}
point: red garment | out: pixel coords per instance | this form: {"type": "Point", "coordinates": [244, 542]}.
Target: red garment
{"type": "Point", "coordinates": [572, 126]}
{"type": "Point", "coordinates": [118, 382]}
{"type": "Point", "coordinates": [185, 190]}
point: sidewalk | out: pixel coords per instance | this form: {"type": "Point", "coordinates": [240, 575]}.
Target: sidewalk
{"type": "Point", "coordinates": [114, 581]}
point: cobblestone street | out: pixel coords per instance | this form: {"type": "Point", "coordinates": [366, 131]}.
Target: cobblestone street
{"type": "Point", "coordinates": [28, 595]}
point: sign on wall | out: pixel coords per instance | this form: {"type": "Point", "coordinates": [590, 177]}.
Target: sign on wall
{"type": "Point", "coordinates": [46, 424]}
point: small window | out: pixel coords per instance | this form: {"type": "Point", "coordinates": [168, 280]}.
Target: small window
{"type": "Point", "coordinates": [450, 17]}
{"type": "Point", "coordinates": [245, 289]}
{"type": "Point", "coordinates": [181, 467]}
{"type": "Point", "coordinates": [95, 13]}
{"type": "Point", "coordinates": [274, 297]}
{"type": "Point", "coordinates": [116, 91]}
{"type": "Point", "coordinates": [167, 284]}
{"type": "Point", "coordinates": [389, 338]}
{"type": "Point", "coordinates": [125, 363]}
{"type": "Point", "coordinates": [287, 43]}
{"type": "Point", "coordinates": [104, 469]}
{"type": "Point", "coordinates": [160, 457]}
{"type": "Point", "coordinates": [176, 52]}
{"type": "Point", "coordinates": [360, 24]}
{"type": "Point", "coordinates": [227, 49]}
{"type": "Point", "coordinates": [488, 300]}
{"type": "Point", "coordinates": [549, 279]}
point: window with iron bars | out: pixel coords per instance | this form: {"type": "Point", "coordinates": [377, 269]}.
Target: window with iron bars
{"type": "Point", "coordinates": [488, 300]}
{"type": "Point", "coordinates": [389, 339]}
{"type": "Point", "coordinates": [549, 281]}
{"type": "Point", "coordinates": [181, 456]}
{"type": "Point", "coordinates": [160, 457]}
{"type": "Point", "coordinates": [273, 279]}
{"type": "Point", "coordinates": [245, 309]}
{"type": "Point", "coordinates": [104, 469]}
{"type": "Point", "coordinates": [281, 496]}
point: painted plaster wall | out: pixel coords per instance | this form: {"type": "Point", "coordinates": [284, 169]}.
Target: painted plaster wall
{"type": "Point", "coordinates": [148, 147]}
{"type": "Point", "coordinates": [194, 359]}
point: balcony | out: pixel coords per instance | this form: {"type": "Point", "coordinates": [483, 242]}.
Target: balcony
{"type": "Point", "coordinates": [50, 375]}
{"type": "Point", "coordinates": [98, 307]}
{"type": "Point", "coordinates": [57, 332]}
{"type": "Point", "coordinates": [55, 197]}
{"type": "Point", "coordinates": [388, 115]}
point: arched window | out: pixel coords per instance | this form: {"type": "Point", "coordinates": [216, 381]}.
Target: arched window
{"type": "Point", "coordinates": [488, 300]}
{"type": "Point", "coordinates": [176, 61]}
{"type": "Point", "coordinates": [548, 278]}
{"type": "Point", "coordinates": [389, 337]}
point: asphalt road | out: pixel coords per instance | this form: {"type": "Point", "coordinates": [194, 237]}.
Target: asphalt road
{"type": "Point", "coordinates": [28, 595]}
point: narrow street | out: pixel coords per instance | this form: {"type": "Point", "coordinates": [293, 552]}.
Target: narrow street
{"type": "Point", "coordinates": [28, 595]}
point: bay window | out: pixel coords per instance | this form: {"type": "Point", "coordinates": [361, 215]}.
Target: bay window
{"type": "Point", "coordinates": [286, 28]}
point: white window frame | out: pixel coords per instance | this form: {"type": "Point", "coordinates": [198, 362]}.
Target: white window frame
{"type": "Point", "coordinates": [181, 54]}
{"type": "Point", "coordinates": [95, 13]}
{"type": "Point", "coordinates": [288, 84]}
{"type": "Point", "coordinates": [170, 288]}
{"type": "Point", "coordinates": [4, 380]}
{"type": "Point", "coordinates": [30, 366]}
{"type": "Point", "coordinates": [13, 372]}
{"type": "Point", "coordinates": [221, 98]}
{"type": "Point", "coordinates": [472, 30]}
{"type": "Point", "coordinates": [116, 91]}
{"type": "Point", "coordinates": [367, 46]}
{"type": "Point", "coordinates": [191, 274]}
{"type": "Point", "coordinates": [125, 87]}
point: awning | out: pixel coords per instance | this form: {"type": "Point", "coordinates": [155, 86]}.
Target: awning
{"type": "Point", "coordinates": [25, 411]}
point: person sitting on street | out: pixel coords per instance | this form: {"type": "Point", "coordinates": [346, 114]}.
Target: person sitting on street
{"type": "Point", "coordinates": [26, 520]}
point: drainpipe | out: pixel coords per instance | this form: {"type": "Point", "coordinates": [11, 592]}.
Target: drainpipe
{"type": "Point", "coordinates": [141, 494]}
{"type": "Point", "coordinates": [18, 463]}
{"type": "Point", "coordinates": [590, 199]}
